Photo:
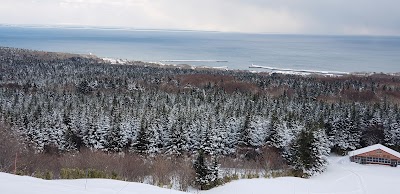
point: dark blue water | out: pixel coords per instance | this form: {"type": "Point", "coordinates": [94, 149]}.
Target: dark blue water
{"type": "Point", "coordinates": [325, 53]}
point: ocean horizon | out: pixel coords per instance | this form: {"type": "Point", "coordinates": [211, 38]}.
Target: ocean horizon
{"type": "Point", "coordinates": [215, 49]}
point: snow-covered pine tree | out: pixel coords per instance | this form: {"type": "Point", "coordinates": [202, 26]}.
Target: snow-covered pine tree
{"type": "Point", "coordinates": [244, 139]}
{"type": "Point", "coordinates": [373, 131]}
{"type": "Point", "coordinates": [116, 140]}
{"type": "Point", "coordinates": [233, 133]}
{"type": "Point", "coordinates": [142, 141]}
{"type": "Point", "coordinates": [214, 172]}
{"type": "Point", "coordinates": [96, 133]}
{"type": "Point", "coordinates": [207, 136]}
{"type": "Point", "coordinates": [309, 151]}
{"type": "Point", "coordinates": [201, 169]}
{"type": "Point", "coordinates": [344, 134]}
{"type": "Point", "coordinates": [155, 141]}
{"type": "Point", "coordinates": [258, 131]}
{"type": "Point", "coordinates": [392, 131]}
{"type": "Point", "coordinates": [72, 138]}
{"type": "Point", "coordinates": [194, 135]}
{"type": "Point", "coordinates": [207, 174]}
{"type": "Point", "coordinates": [177, 144]}
{"type": "Point", "coordinates": [217, 136]}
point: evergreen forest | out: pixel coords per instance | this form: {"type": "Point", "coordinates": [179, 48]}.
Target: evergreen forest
{"type": "Point", "coordinates": [64, 104]}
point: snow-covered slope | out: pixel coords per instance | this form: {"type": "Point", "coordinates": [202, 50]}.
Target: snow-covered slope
{"type": "Point", "coordinates": [11, 184]}
{"type": "Point", "coordinates": [342, 177]}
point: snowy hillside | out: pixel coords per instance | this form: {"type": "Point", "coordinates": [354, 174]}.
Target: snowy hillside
{"type": "Point", "coordinates": [11, 184]}
{"type": "Point", "coordinates": [341, 177]}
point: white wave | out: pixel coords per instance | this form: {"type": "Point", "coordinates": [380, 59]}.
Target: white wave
{"type": "Point", "coordinates": [115, 61]}
{"type": "Point", "coordinates": [217, 61]}
{"type": "Point", "coordinates": [301, 71]}
{"type": "Point", "coordinates": [222, 67]}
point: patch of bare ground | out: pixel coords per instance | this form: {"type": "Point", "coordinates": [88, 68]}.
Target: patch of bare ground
{"type": "Point", "coordinates": [358, 96]}
{"type": "Point", "coordinates": [225, 82]}
{"type": "Point", "coordinates": [276, 91]}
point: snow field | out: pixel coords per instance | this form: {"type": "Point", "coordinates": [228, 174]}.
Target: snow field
{"type": "Point", "coordinates": [11, 184]}
{"type": "Point", "coordinates": [341, 177]}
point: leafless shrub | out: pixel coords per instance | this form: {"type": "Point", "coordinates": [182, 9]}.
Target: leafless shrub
{"type": "Point", "coordinates": [9, 149]}
{"type": "Point", "coordinates": [134, 168]}
{"type": "Point", "coordinates": [184, 172]}
{"type": "Point", "coordinates": [162, 169]}
{"type": "Point", "coordinates": [168, 171]}
{"type": "Point", "coordinates": [266, 160]}
{"type": "Point", "coordinates": [239, 163]}
{"type": "Point", "coordinates": [32, 164]}
{"type": "Point", "coordinates": [128, 167]}
{"type": "Point", "coordinates": [271, 159]}
{"type": "Point", "coordinates": [159, 170]}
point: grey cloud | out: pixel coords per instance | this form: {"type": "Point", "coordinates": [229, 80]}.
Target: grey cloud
{"type": "Point", "coordinates": [282, 16]}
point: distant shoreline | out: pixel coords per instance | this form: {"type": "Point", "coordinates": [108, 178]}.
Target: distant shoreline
{"type": "Point", "coordinates": [303, 72]}
{"type": "Point", "coordinates": [238, 51]}
{"type": "Point", "coordinates": [161, 64]}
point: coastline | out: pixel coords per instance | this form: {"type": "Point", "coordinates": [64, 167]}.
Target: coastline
{"type": "Point", "coordinates": [204, 49]}
{"type": "Point", "coordinates": [272, 70]}
{"type": "Point", "coordinates": [165, 64]}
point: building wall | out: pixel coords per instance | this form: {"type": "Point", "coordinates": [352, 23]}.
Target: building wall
{"type": "Point", "coordinates": [376, 157]}
{"type": "Point", "coordinates": [379, 154]}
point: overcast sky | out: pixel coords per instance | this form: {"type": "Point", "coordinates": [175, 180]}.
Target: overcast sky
{"type": "Point", "coordinates": [366, 17]}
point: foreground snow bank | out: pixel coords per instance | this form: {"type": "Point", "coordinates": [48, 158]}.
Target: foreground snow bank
{"type": "Point", "coordinates": [11, 184]}
{"type": "Point", "coordinates": [342, 177]}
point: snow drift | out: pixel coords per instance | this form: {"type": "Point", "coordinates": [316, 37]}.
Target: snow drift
{"type": "Point", "coordinates": [342, 177]}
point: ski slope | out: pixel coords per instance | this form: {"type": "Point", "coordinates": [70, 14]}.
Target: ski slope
{"type": "Point", "coordinates": [341, 177]}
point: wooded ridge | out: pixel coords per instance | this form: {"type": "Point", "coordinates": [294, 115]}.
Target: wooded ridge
{"type": "Point", "coordinates": [62, 103]}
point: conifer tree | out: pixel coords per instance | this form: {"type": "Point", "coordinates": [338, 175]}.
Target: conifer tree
{"type": "Point", "coordinates": [207, 174]}
{"type": "Point", "coordinates": [310, 150]}
{"type": "Point", "coordinates": [201, 170]}
{"type": "Point", "coordinates": [142, 142]}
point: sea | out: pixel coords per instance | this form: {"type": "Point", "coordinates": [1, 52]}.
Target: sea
{"type": "Point", "coordinates": [215, 49]}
